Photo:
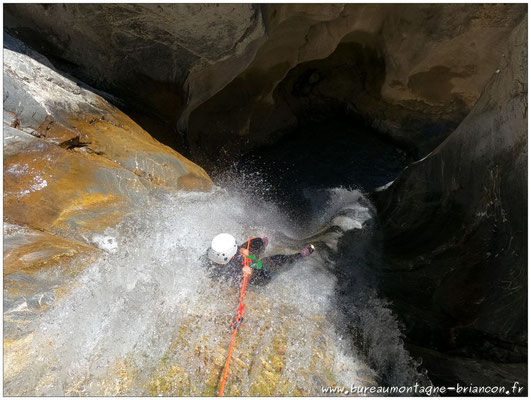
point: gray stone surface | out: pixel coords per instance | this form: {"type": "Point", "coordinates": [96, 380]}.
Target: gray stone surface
{"type": "Point", "coordinates": [455, 228]}
{"type": "Point", "coordinates": [129, 47]}
{"type": "Point", "coordinates": [15, 140]}
{"type": "Point", "coordinates": [34, 89]}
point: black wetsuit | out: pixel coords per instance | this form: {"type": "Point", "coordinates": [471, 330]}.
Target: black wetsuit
{"type": "Point", "coordinates": [232, 271]}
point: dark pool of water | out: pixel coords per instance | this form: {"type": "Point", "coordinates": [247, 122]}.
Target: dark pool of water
{"type": "Point", "coordinates": [321, 156]}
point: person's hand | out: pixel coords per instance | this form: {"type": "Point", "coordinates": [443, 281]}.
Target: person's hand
{"type": "Point", "coordinates": [244, 252]}
{"type": "Point", "coordinates": [247, 271]}
{"type": "Point", "coordinates": [307, 250]}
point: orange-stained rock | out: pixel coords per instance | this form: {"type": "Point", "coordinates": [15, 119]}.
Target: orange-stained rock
{"type": "Point", "coordinates": [38, 270]}
{"type": "Point", "coordinates": [28, 251]}
{"type": "Point", "coordinates": [74, 165]}
{"type": "Point", "coordinates": [113, 135]}
{"type": "Point", "coordinates": [41, 101]}
{"type": "Point", "coordinates": [53, 189]}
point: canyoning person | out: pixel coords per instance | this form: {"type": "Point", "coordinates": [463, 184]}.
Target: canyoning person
{"type": "Point", "coordinates": [225, 259]}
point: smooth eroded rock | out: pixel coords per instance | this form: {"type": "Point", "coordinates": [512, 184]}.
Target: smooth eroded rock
{"type": "Point", "coordinates": [74, 166]}
{"type": "Point", "coordinates": [39, 269]}
{"type": "Point", "coordinates": [29, 250]}
{"type": "Point", "coordinates": [455, 227]}
{"type": "Point", "coordinates": [412, 72]}
{"type": "Point", "coordinates": [42, 101]}
{"type": "Point", "coordinates": [49, 188]}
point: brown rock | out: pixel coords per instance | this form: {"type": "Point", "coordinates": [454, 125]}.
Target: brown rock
{"type": "Point", "coordinates": [27, 250]}
{"type": "Point", "coordinates": [413, 71]}
{"type": "Point", "coordinates": [113, 135]}
{"type": "Point", "coordinates": [49, 188]}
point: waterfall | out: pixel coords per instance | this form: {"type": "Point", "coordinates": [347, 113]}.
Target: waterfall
{"type": "Point", "coordinates": [145, 319]}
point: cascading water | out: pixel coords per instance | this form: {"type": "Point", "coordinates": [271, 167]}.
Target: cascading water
{"type": "Point", "coordinates": [145, 319]}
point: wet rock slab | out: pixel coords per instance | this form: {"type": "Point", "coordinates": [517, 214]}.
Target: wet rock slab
{"type": "Point", "coordinates": [41, 101]}
{"type": "Point", "coordinates": [39, 269]}
{"type": "Point", "coordinates": [74, 166]}
{"type": "Point", "coordinates": [49, 188]}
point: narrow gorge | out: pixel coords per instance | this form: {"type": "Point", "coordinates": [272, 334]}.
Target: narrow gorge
{"type": "Point", "coordinates": [391, 136]}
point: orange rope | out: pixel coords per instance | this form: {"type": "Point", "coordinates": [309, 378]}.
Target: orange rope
{"type": "Point", "coordinates": [235, 324]}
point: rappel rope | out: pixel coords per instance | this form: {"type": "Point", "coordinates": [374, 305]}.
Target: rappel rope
{"type": "Point", "coordinates": [235, 322]}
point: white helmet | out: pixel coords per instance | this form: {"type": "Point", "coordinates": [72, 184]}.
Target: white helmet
{"type": "Point", "coordinates": [223, 248]}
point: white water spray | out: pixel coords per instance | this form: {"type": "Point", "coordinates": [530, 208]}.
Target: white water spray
{"type": "Point", "coordinates": [146, 319]}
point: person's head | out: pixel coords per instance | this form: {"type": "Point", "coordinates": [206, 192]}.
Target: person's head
{"type": "Point", "coordinates": [222, 249]}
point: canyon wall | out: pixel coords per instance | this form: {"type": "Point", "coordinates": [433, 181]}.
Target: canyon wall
{"type": "Point", "coordinates": [223, 78]}
{"type": "Point", "coordinates": [455, 226]}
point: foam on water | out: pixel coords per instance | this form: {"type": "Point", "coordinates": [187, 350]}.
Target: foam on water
{"type": "Point", "coordinates": [148, 303]}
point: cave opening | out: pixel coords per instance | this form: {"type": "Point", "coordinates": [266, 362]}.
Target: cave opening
{"type": "Point", "coordinates": [328, 143]}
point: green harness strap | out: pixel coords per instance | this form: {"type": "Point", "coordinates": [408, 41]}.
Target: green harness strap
{"type": "Point", "coordinates": [255, 264]}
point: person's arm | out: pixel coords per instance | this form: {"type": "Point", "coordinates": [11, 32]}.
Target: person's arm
{"type": "Point", "coordinates": [281, 259]}
{"type": "Point", "coordinates": [274, 262]}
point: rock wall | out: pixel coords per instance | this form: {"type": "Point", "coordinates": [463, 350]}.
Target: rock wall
{"type": "Point", "coordinates": [380, 62]}
{"type": "Point", "coordinates": [161, 59]}
{"type": "Point", "coordinates": [455, 227]}
{"type": "Point", "coordinates": [235, 76]}
{"type": "Point", "coordinates": [74, 165]}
